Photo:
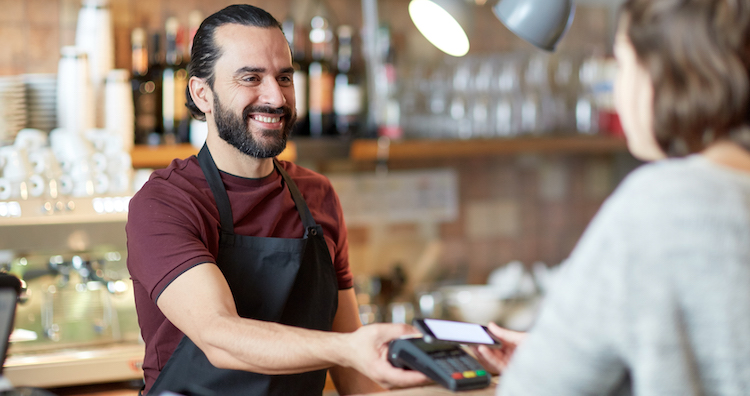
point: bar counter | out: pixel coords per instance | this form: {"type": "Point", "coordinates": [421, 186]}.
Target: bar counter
{"type": "Point", "coordinates": [128, 389]}
{"type": "Point", "coordinates": [435, 390]}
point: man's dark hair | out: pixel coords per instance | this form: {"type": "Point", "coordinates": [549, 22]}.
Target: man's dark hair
{"type": "Point", "coordinates": [205, 51]}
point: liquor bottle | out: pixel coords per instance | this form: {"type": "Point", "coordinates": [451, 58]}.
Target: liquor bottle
{"type": "Point", "coordinates": [296, 35]}
{"type": "Point", "coordinates": [156, 73]}
{"type": "Point", "coordinates": [347, 93]}
{"type": "Point", "coordinates": [146, 91]}
{"type": "Point", "coordinates": [321, 75]}
{"type": "Point", "coordinates": [174, 82]}
{"type": "Point", "coordinates": [195, 18]}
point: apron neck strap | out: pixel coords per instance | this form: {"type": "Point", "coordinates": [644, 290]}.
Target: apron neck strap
{"type": "Point", "coordinates": [211, 172]}
{"type": "Point", "coordinates": [304, 212]}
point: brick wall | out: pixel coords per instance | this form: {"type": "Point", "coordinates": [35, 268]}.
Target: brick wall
{"type": "Point", "coordinates": [527, 207]}
{"type": "Point", "coordinates": [32, 31]}
{"type": "Point", "coordinates": [536, 215]}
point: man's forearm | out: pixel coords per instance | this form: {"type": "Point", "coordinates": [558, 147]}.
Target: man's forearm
{"type": "Point", "coordinates": [271, 348]}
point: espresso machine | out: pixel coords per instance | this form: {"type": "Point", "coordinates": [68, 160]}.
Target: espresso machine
{"type": "Point", "coordinates": [75, 322]}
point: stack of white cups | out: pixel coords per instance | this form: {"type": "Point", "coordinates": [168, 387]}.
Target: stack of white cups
{"type": "Point", "coordinates": [94, 36]}
{"type": "Point", "coordinates": [66, 163]}
{"type": "Point", "coordinates": [24, 166]}
{"type": "Point", "coordinates": [111, 159]}
{"type": "Point", "coordinates": [118, 107]}
{"type": "Point", "coordinates": [74, 154]}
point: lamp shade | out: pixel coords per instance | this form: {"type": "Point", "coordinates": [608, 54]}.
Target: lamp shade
{"type": "Point", "coordinates": [442, 23]}
{"type": "Point", "coordinates": [540, 22]}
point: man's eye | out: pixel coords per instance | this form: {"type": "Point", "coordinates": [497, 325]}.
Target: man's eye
{"type": "Point", "coordinates": [250, 79]}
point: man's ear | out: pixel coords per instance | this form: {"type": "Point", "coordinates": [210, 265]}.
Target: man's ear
{"type": "Point", "coordinates": [201, 93]}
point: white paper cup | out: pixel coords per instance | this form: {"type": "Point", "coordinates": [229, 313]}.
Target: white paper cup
{"type": "Point", "coordinates": [120, 183]}
{"type": "Point", "coordinates": [5, 189]}
{"type": "Point", "coordinates": [65, 185]}
{"type": "Point", "coordinates": [37, 185]}
{"type": "Point", "coordinates": [99, 162]}
{"type": "Point", "coordinates": [101, 183]}
{"type": "Point", "coordinates": [30, 139]}
{"type": "Point", "coordinates": [70, 146]}
{"type": "Point", "coordinates": [14, 162]}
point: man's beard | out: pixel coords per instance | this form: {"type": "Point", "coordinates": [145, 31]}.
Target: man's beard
{"type": "Point", "coordinates": [236, 131]}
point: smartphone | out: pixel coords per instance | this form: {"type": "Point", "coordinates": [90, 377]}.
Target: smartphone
{"type": "Point", "coordinates": [458, 332]}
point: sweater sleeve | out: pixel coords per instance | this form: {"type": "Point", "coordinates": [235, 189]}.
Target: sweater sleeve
{"type": "Point", "coordinates": [654, 297]}
{"type": "Point", "coordinates": [570, 350]}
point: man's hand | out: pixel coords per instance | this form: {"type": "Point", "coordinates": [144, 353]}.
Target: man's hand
{"type": "Point", "coordinates": [496, 359]}
{"type": "Point", "coordinates": [369, 355]}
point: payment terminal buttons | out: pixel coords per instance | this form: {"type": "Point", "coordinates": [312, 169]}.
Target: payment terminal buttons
{"type": "Point", "coordinates": [445, 363]}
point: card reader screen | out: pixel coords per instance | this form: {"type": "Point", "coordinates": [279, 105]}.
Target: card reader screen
{"type": "Point", "coordinates": [458, 331]}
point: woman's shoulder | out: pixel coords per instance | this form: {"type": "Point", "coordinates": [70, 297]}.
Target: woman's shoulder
{"type": "Point", "coordinates": [690, 177]}
{"type": "Point", "coordinates": [685, 191]}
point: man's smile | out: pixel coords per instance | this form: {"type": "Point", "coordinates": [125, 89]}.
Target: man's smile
{"type": "Point", "coordinates": [271, 121]}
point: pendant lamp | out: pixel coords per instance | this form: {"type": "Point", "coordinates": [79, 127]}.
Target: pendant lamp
{"type": "Point", "coordinates": [443, 23]}
{"type": "Point", "coordinates": [540, 22]}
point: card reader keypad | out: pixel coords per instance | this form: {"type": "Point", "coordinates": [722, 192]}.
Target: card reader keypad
{"type": "Point", "coordinates": [458, 363]}
{"type": "Point", "coordinates": [445, 363]}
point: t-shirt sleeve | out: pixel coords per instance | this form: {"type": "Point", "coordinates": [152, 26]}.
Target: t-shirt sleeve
{"type": "Point", "coordinates": [341, 241]}
{"type": "Point", "coordinates": [163, 236]}
{"type": "Point", "coordinates": [571, 349]}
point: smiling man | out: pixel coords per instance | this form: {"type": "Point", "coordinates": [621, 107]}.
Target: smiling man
{"type": "Point", "coordinates": [239, 261]}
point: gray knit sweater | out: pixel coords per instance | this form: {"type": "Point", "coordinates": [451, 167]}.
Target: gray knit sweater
{"type": "Point", "coordinates": [655, 298]}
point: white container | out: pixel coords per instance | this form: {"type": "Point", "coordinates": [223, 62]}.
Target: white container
{"type": "Point", "coordinates": [75, 105]}
{"type": "Point", "coordinates": [118, 107]}
{"type": "Point", "coordinates": [94, 35]}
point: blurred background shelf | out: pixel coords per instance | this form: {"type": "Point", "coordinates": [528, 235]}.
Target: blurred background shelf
{"type": "Point", "coordinates": [367, 150]}
{"type": "Point", "coordinates": [145, 156]}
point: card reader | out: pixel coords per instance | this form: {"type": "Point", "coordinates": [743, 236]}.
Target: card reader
{"type": "Point", "coordinates": [443, 362]}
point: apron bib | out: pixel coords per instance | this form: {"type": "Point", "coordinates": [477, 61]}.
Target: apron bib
{"type": "Point", "coordinates": [285, 280]}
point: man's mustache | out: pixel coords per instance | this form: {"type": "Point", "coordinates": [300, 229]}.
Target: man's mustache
{"type": "Point", "coordinates": [283, 111]}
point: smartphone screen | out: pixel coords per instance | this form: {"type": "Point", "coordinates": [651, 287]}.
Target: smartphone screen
{"type": "Point", "coordinates": [468, 333]}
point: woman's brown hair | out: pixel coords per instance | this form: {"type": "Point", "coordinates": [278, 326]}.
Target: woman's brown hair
{"type": "Point", "coordinates": [698, 55]}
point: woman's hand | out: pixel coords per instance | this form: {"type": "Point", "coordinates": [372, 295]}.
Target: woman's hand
{"type": "Point", "coordinates": [497, 359]}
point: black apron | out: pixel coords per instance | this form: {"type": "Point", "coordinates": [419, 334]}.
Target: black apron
{"type": "Point", "coordinates": [288, 281]}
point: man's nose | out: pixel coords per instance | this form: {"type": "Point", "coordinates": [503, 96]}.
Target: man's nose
{"type": "Point", "coordinates": [272, 94]}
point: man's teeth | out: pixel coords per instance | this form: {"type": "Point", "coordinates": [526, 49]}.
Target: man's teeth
{"type": "Point", "coordinates": [270, 120]}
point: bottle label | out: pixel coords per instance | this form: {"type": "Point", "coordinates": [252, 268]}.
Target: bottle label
{"type": "Point", "coordinates": [347, 99]}
{"type": "Point", "coordinates": [145, 105]}
{"type": "Point", "coordinates": [321, 92]}
{"type": "Point", "coordinates": [300, 93]}
{"type": "Point", "coordinates": [180, 85]}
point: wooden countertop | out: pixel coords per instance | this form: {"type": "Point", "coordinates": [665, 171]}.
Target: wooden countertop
{"type": "Point", "coordinates": [130, 389]}
{"type": "Point", "coordinates": [127, 388]}
{"type": "Point", "coordinates": [436, 390]}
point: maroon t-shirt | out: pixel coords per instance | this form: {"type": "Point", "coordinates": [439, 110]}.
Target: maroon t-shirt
{"type": "Point", "coordinates": [173, 225]}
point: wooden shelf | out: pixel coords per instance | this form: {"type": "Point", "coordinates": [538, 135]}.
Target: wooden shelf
{"type": "Point", "coordinates": [144, 156]}
{"type": "Point", "coordinates": [367, 150]}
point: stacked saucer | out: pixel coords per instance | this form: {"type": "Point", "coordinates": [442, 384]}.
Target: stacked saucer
{"type": "Point", "coordinates": [41, 101]}
{"type": "Point", "coordinates": [12, 108]}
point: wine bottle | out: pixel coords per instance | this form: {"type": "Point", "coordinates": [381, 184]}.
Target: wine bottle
{"type": "Point", "coordinates": [146, 100]}
{"type": "Point", "coordinates": [347, 93]}
{"type": "Point", "coordinates": [174, 82]}
{"type": "Point", "coordinates": [155, 73]}
{"type": "Point", "coordinates": [296, 34]}
{"type": "Point", "coordinates": [321, 74]}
